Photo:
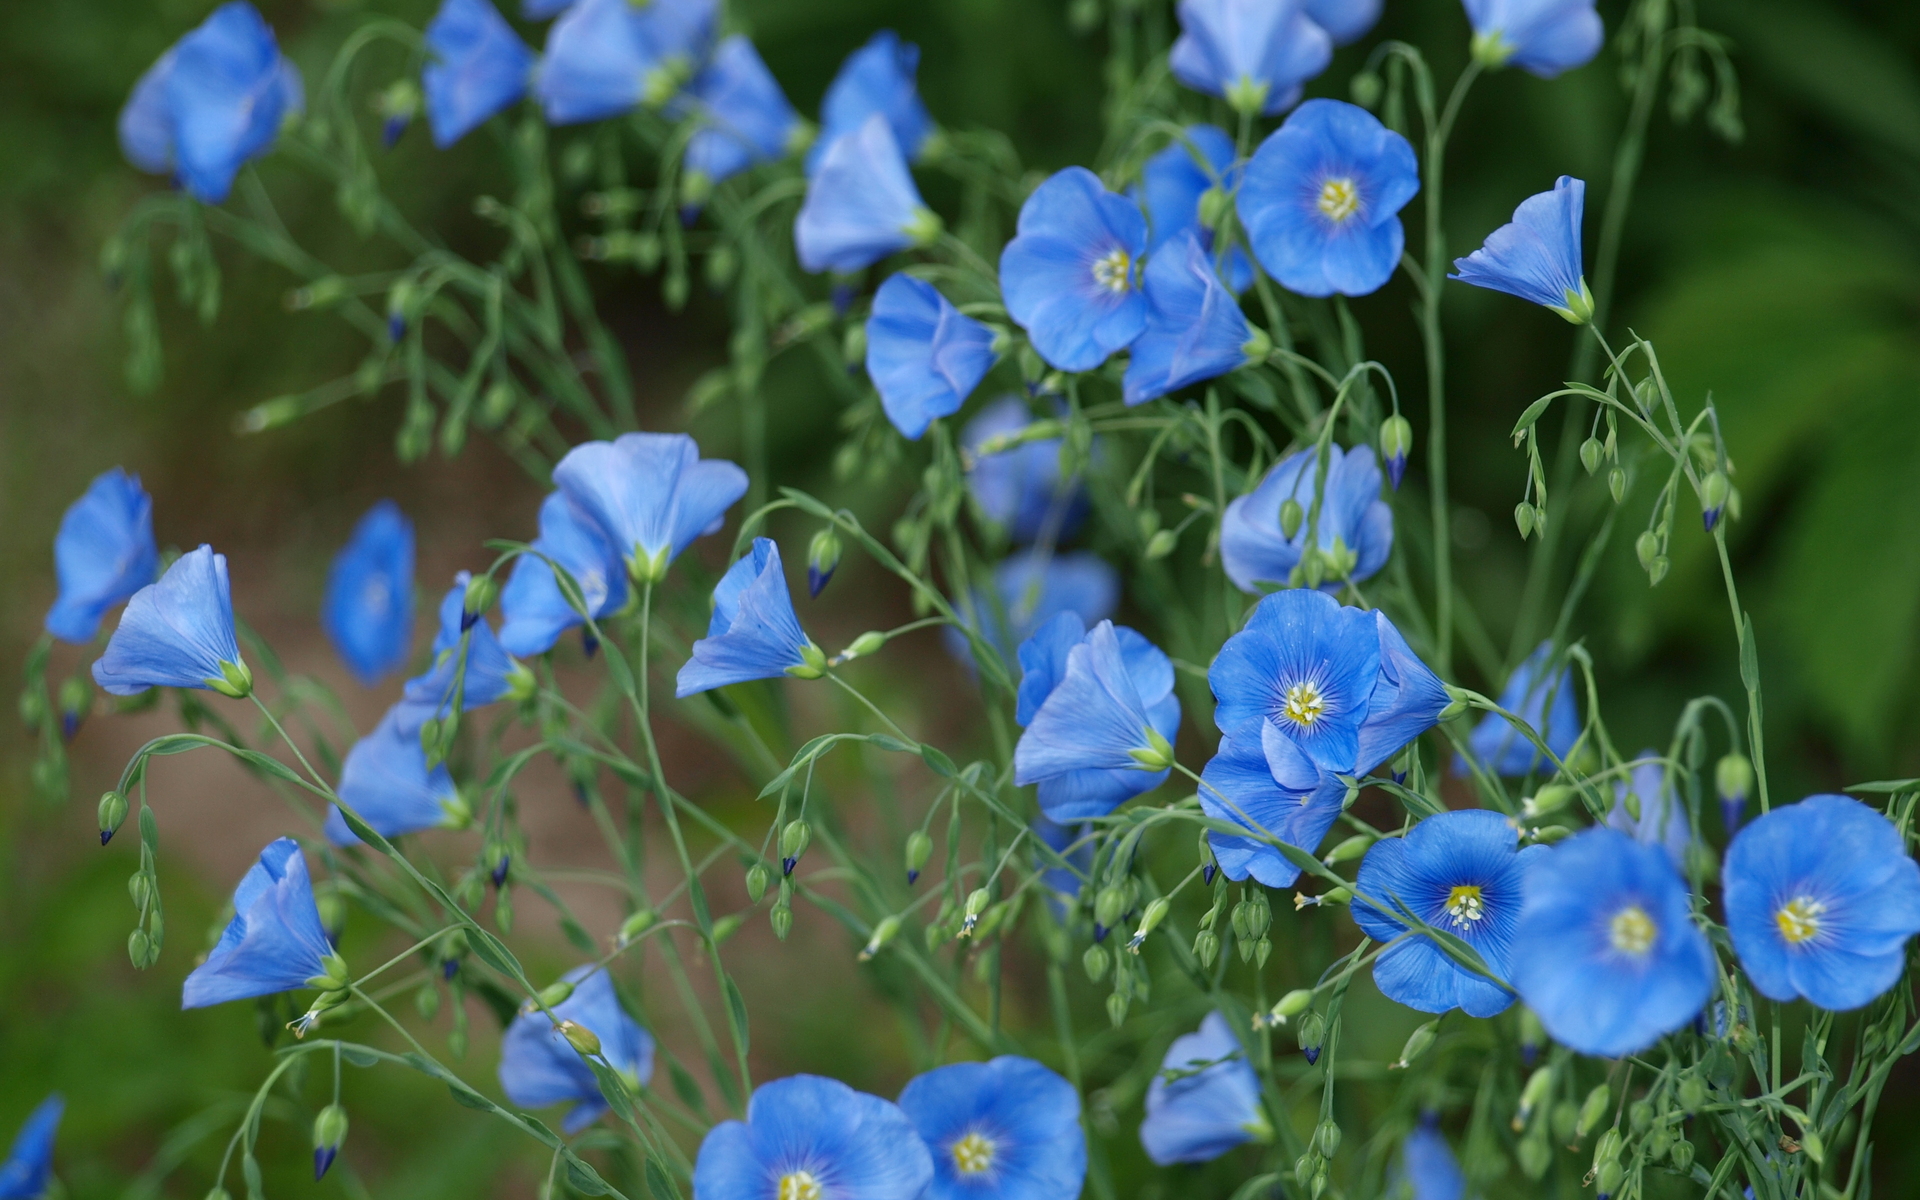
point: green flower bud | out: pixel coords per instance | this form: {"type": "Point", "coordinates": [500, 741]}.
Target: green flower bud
{"type": "Point", "coordinates": [636, 925]}
{"type": "Point", "coordinates": [1693, 1094]}
{"type": "Point", "coordinates": [1592, 1110]}
{"type": "Point", "coordinates": [426, 1001]}
{"type": "Point", "coordinates": [782, 920]}
{"type": "Point", "coordinates": [1311, 1034]}
{"type": "Point", "coordinates": [329, 1132]}
{"type": "Point", "coordinates": [1366, 89]}
{"type": "Point", "coordinates": [1657, 570]}
{"type": "Point", "coordinates": [1349, 849]}
{"type": "Point", "coordinates": [1815, 1148]}
{"type": "Point", "coordinates": [1591, 451]}
{"type": "Point", "coordinates": [1681, 1152]}
{"type": "Point", "coordinates": [1524, 516]}
{"type": "Point", "coordinates": [482, 591]}
{"type": "Point", "coordinates": [1215, 203]}
{"type": "Point", "coordinates": [113, 810]}
{"type": "Point", "coordinates": [882, 934]}
{"type": "Point", "coordinates": [1607, 1149]}
{"type": "Point", "coordinates": [919, 849]}
{"type": "Point", "coordinates": [1160, 545]}
{"type": "Point", "coordinates": [1566, 1115]}
{"type": "Point", "coordinates": [1549, 799]}
{"type": "Point", "coordinates": [1327, 1139]}
{"type": "Point", "coordinates": [1535, 1157]}
{"type": "Point", "coordinates": [793, 843]}
{"type": "Point", "coordinates": [1539, 1087]}
{"type": "Point", "coordinates": [585, 1040]}
{"type": "Point", "coordinates": [1732, 778]}
{"type": "Point", "coordinates": [1617, 484]}
{"type": "Point", "coordinates": [1646, 548]}
{"type": "Point", "coordinates": [867, 643]}
{"type": "Point", "coordinates": [1149, 921]}
{"type": "Point", "coordinates": [1096, 961]}
{"type": "Point", "coordinates": [1418, 1043]}
{"type": "Point", "coordinates": [1608, 1178]}
{"type": "Point", "coordinates": [1292, 1004]}
{"type": "Point", "coordinates": [1713, 498]}
{"type": "Point", "coordinates": [757, 878]}
{"type": "Point", "coordinates": [140, 888]}
{"type": "Point", "coordinates": [1640, 1115]}
{"type": "Point", "coordinates": [1206, 948]}
{"type": "Point", "coordinates": [1291, 515]}
{"type": "Point", "coordinates": [823, 559]}
{"type": "Point", "coordinates": [1109, 905]}
{"type": "Point", "coordinates": [555, 994]}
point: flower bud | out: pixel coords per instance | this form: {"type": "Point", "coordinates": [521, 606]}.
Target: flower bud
{"type": "Point", "coordinates": [329, 1132]}
{"type": "Point", "coordinates": [1549, 799]}
{"type": "Point", "coordinates": [919, 849]}
{"type": "Point", "coordinates": [1396, 440]}
{"type": "Point", "coordinates": [1539, 1087]}
{"type": "Point", "coordinates": [1215, 203]}
{"type": "Point", "coordinates": [1326, 1139]}
{"type": "Point", "coordinates": [1206, 948]}
{"type": "Point", "coordinates": [1592, 1110]}
{"type": "Point", "coordinates": [1160, 545]}
{"type": "Point", "coordinates": [757, 877]}
{"type": "Point", "coordinates": [482, 591]}
{"type": "Point", "coordinates": [1311, 1033]}
{"type": "Point", "coordinates": [636, 925]}
{"type": "Point", "coordinates": [1591, 451]}
{"type": "Point", "coordinates": [823, 559]}
{"type": "Point", "coordinates": [1292, 1004]}
{"type": "Point", "coordinates": [1733, 780]}
{"type": "Point", "coordinates": [1657, 570]}
{"type": "Point", "coordinates": [1640, 1115]}
{"type": "Point", "coordinates": [1349, 849]}
{"type": "Point", "coordinates": [1535, 1157]}
{"type": "Point", "coordinates": [1681, 1152]}
{"type": "Point", "coordinates": [793, 843]}
{"type": "Point", "coordinates": [1607, 1149]}
{"type": "Point", "coordinates": [1096, 961]}
{"type": "Point", "coordinates": [1566, 1115]}
{"type": "Point", "coordinates": [1117, 1008]}
{"type": "Point", "coordinates": [1713, 499]}
{"type": "Point", "coordinates": [782, 920]}
{"type": "Point", "coordinates": [867, 643]}
{"type": "Point", "coordinates": [555, 994]}
{"type": "Point", "coordinates": [1149, 921]}
{"type": "Point", "coordinates": [882, 934]}
{"type": "Point", "coordinates": [585, 1040]}
{"type": "Point", "coordinates": [1608, 1178]}
{"type": "Point", "coordinates": [1693, 1094]}
{"type": "Point", "coordinates": [1417, 1044]}
{"type": "Point", "coordinates": [1291, 514]}
{"type": "Point", "coordinates": [1366, 88]}
{"type": "Point", "coordinates": [1109, 905]}
{"type": "Point", "coordinates": [1524, 515]}
{"type": "Point", "coordinates": [1646, 548]}
{"type": "Point", "coordinates": [1617, 484]}
{"type": "Point", "coordinates": [113, 810]}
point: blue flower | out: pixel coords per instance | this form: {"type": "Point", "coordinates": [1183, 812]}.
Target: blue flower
{"type": "Point", "coordinates": [1344, 20]}
{"type": "Point", "coordinates": [536, 612]}
{"type": "Point", "coordinates": [386, 781]}
{"type": "Point", "coordinates": [651, 494]}
{"type": "Point", "coordinates": [29, 1165]}
{"type": "Point", "coordinates": [478, 66]}
{"type": "Point", "coordinates": [1528, 695]}
{"type": "Point", "coordinates": [485, 670]}
{"type": "Point", "coordinates": [1172, 183]}
{"type": "Point", "coordinates": [1254, 54]}
{"type": "Point", "coordinates": [1204, 1100]}
{"type": "Point", "coordinates": [753, 633]}
{"type": "Point", "coordinates": [1354, 521]}
{"type": "Point", "coordinates": [275, 942]}
{"type": "Point", "coordinates": [1069, 277]}
{"type": "Point", "coordinates": [1536, 256]}
{"type": "Point", "coordinates": [177, 632]}
{"type": "Point", "coordinates": [607, 57]}
{"type": "Point", "coordinates": [1545, 37]}
{"type": "Point", "coordinates": [368, 611]}
{"type": "Point", "coordinates": [104, 553]}
{"type": "Point", "coordinates": [539, 1067]}
{"type": "Point", "coordinates": [876, 78]}
{"type": "Point", "coordinates": [1073, 843]}
{"type": "Point", "coordinates": [1008, 1129]}
{"type": "Point", "coordinates": [1195, 329]}
{"type": "Point", "coordinates": [1607, 954]}
{"type": "Point", "coordinates": [1021, 489]}
{"type": "Point", "coordinates": [1322, 197]}
{"type": "Point", "coordinates": [1032, 588]}
{"type": "Point", "coordinates": [861, 204]}
{"type": "Point", "coordinates": [540, 10]}
{"type": "Point", "coordinates": [1100, 717]}
{"type": "Point", "coordinates": [211, 103]}
{"type": "Point", "coordinates": [923, 354]}
{"type": "Point", "coordinates": [744, 116]}
{"type": "Point", "coordinates": [1459, 872]}
{"type": "Point", "coordinates": [1821, 897]}
{"type": "Point", "coordinates": [809, 1138]}
{"type": "Point", "coordinates": [1428, 1165]}
{"type": "Point", "coordinates": [1663, 819]}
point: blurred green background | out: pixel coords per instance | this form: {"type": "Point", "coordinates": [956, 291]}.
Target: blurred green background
{"type": "Point", "coordinates": [1780, 273]}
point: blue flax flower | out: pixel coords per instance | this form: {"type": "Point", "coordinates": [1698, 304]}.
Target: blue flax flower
{"type": "Point", "coordinates": [275, 942]}
{"type": "Point", "coordinates": [744, 117]}
{"type": "Point", "coordinates": [1344, 20]}
{"type": "Point", "coordinates": [477, 67]}
{"type": "Point", "coordinates": [539, 1067]}
{"type": "Point", "coordinates": [1607, 954]}
{"type": "Point", "coordinates": [1070, 277]}
{"type": "Point", "coordinates": [1663, 819]}
{"type": "Point", "coordinates": [1545, 37]}
{"type": "Point", "coordinates": [1100, 717]}
{"type": "Point", "coordinates": [923, 354]}
{"type": "Point", "coordinates": [368, 610]}
{"type": "Point", "coordinates": [876, 78]}
{"type": "Point", "coordinates": [861, 204]}
{"type": "Point", "coordinates": [1322, 197]}
{"type": "Point", "coordinates": [540, 10]}
{"type": "Point", "coordinates": [28, 1167]}
{"type": "Point", "coordinates": [1172, 183]}
{"type": "Point", "coordinates": [1821, 898]}
{"type": "Point", "coordinates": [1354, 521]}
{"type": "Point", "coordinates": [809, 1138]}
{"type": "Point", "coordinates": [607, 57]}
{"type": "Point", "coordinates": [536, 611]}
{"type": "Point", "coordinates": [103, 554]}
{"type": "Point", "coordinates": [753, 633]}
{"type": "Point", "coordinates": [1254, 54]}
{"type": "Point", "coordinates": [1459, 872]}
{"type": "Point", "coordinates": [386, 781]}
{"type": "Point", "coordinates": [177, 632]}
{"type": "Point", "coordinates": [1204, 1100]}
{"type": "Point", "coordinates": [1536, 256]}
{"type": "Point", "coordinates": [1545, 703]}
{"type": "Point", "coordinates": [651, 494]}
{"type": "Point", "coordinates": [485, 670]}
{"type": "Point", "coordinates": [1021, 489]}
{"type": "Point", "coordinates": [1008, 1129]}
{"type": "Point", "coordinates": [1428, 1165]}
{"type": "Point", "coordinates": [1195, 329]}
{"type": "Point", "coordinates": [1034, 587]}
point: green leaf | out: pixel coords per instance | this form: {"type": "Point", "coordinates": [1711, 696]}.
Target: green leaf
{"type": "Point", "coordinates": [1886, 787]}
{"type": "Point", "coordinates": [577, 934]}
{"type": "Point", "coordinates": [492, 951]}
{"type": "Point", "coordinates": [737, 1013]}
{"type": "Point", "coordinates": [584, 1179]}
{"type": "Point", "coordinates": [939, 762]}
{"type": "Point", "coordinates": [359, 1056]}
{"type": "Point", "coordinates": [659, 1182]}
{"type": "Point", "coordinates": [468, 1098]}
{"type": "Point", "coordinates": [686, 1087]}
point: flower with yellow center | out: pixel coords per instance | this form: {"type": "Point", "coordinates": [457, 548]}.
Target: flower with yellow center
{"type": "Point", "coordinates": [1465, 905]}
{"type": "Point", "coordinates": [972, 1154]}
{"type": "Point", "coordinates": [1304, 704]}
{"type": "Point", "coordinates": [1114, 271]}
{"type": "Point", "coordinates": [1339, 199]}
{"type": "Point", "coordinates": [1631, 931]}
{"type": "Point", "coordinates": [1799, 919]}
{"type": "Point", "coordinates": [799, 1185]}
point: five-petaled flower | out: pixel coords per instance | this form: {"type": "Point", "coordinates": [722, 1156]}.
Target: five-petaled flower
{"type": "Point", "coordinates": [368, 610]}
{"type": "Point", "coordinates": [275, 942]}
{"type": "Point", "coordinates": [753, 633]}
{"type": "Point", "coordinates": [651, 494]}
{"type": "Point", "coordinates": [534, 604]}
{"type": "Point", "coordinates": [178, 632]}
{"type": "Point", "coordinates": [103, 554]}
{"type": "Point", "coordinates": [1351, 534]}
{"type": "Point", "coordinates": [924, 355]}
{"type": "Point", "coordinates": [1254, 54]}
{"type": "Point", "coordinates": [1007, 1129]}
{"type": "Point", "coordinates": [1544, 37]}
{"type": "Point", "coordinates": [1204, 1100]}
{"type": "Point", "coordinates": [1536, 256]}
{"type": "Point", "coordinates": [809, 1138]}
{"type": "Point", "coordinates": [1071, 275]}
{"type": "Point", "coordinates": [539, 1066]}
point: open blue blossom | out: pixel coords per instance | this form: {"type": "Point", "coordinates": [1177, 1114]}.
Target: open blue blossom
{"type": "Point", "coordinates": [275, 942]}
{"type": "Point", "coordinates": [607, 57]}
{"type": "Point", "coordinates": [1663, 817]}
{"type": "Point", "coordinates": [1606, 953]}
{"type": "Point", "coordinates": [177, 632]}
{"type": "Point", "coordinates": [1545, 37]}
{"type": "Point", "coordinates": [211, 103]}
{"type": "Point", "coordinates": [1021, 489]}
{"type": "Point", "coordinates": [368, 610]}
{"type": "Point", "coordinates": [1545, 703]}
{"type": "Point", "coordinates": [1033, 587]}
{"type": "Point", "coordinates": [386, 781]}
{"type": "Point", "coordinates": [861, 204]}
{"type": "Point", "coordinates": [477, 66]}
{"type": "Point", "coordinates": [486, 673]}
{"type": "Point", "coordinates": [103, 554]}
{"type": "Point", "coordinates": [1322, 197]}
{"type": "Point", "coordinates": [1204, 1100]}
{"type": "Point", "coordinates": [876, 78]}
{"type": "Point", "coordinates": [651, 494]}
{"type": "Point", "coordinates": [536, 612]}
{"type": "Point", "coordinates": [1008, 1129]}
{"type": "Point", "coordinates": [753, 633]}
{"type": "Point", "coordinates": [744, 116]}
{"type": "Point", "coordinates": [809, 1138]}
{"type": "Point", "coordinates": [1195, 329]}
{"type": "Point", "coordinates": [1100, 717]}
{"type": "Point", "coordinates": [1821, 897]}
{"type": "Point", "coordinates": [1172, 183]}
{"type": "Point", "coordinates": [1344, 20]}
{"type": "Point", "coordinates": [539, 1067]}
{"type": "Point", "coordinates": [1354, 530]}
{"type": "Point", "coordinates": [1070, 277]}
{"type": "Point", "coordinates": [1254, 54]}
{"type": "Point", "coordinates": [1458, 872]}
{"type": "Point", "coordinates": [923, 354]}
{"type": "Point", "coordinates": [1427, 1163]}
{"type": "Point", "coordinates": [28, 1167]}
{"type": "Point", "coordinates": [1536, 256]}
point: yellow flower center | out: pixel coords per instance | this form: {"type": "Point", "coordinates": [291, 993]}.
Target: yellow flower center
{"type": "Point", "coordinates": [799, 1185]}
{"type": "Point", "coordinates": [972, 1154]}
{"type": "Point", "coordinates": [1632, 930]}
{"type": "Point", "coordinates": [1115, 271]}
{"type": "Point", "coordinates": [1464, 905]}
{"type": "Point", "coordinates": [1799, 919]}
{"type": "Point", "coordinates": [1304, 704]}
{"type": "Point", "coordinates": [1339, 199]}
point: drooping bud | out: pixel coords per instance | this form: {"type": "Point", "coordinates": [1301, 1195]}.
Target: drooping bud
{"type": "Point", "coordinates": [1693, 1093]}
{"type": "Point", "coordinates": [1733, 780]}
{"type": "Point", "coordinates": [636, 925]}
{"type": "Point", "coordinates": [823, 559]}
{"type": "Point", "coordinates": [757, 878]}
{"type": "Point", "coordinates": [1533, 1035]}
{"type": "Point", "coordinates": [1214, 204]}
{"type": "Point", "coordinates": [1096, 961]}
{"type": "Point", "coordinates": [1713, 499]}
{"type": "Point", "coordinates": [482, 591]}
{"type": "Point", "coordinates": [329, 1132]}
{"type": "Point", "coordinates": [1592, 1110]}
{"type": "Point", "coordinates": [1617, 484]}
{"type": "Point", "coordinates": [1291, 514]}
{"type": "Point", "coordinates": [1206, 948]}
{"type": "Point", "coordinates": [1311, 1034]}
{"type": "Point", "coordinates": [397, 106]}
{"type": "Point", "coordinates": [1396, 441]}
{"type": "Point", "coordinates": [1326, 1139]}
{"type": "Point", "coordinates": [1539, 1087]}
{"type": "Point", "coordinates": [867, 643]}
{"type": "Point", "coordinates": [1117, 1008]}
{"type": "Point", "coordinates": [555, 994]}
{"type": "Point", "coordinates": [781, 917]}
{"type": "Point", "coordinates": [1549, 799]}
{"type": "Point", "coordinates": [1160, 545]}
{"type": "Point", "coordinates": [1646, 548]}
{"type": "Point", "coordinates": [76, 697]}
{"type": "Point", "coordinates": [1149, 921]}
{"type": "Point", "coordinates": [1349, 849]}
{"type": "Point", "coordinates": [1290, 1005]}
{"type": "Point", "coordinates": [919, 849]}
{"type": "Point", "coordinates": [113, 810]}
{"type": "Point", "coordinates": [882, 934]}
{"type": "Point", "coordinates": [1524, 517]}
{"type": "Point", "coordinates": [1417, 1044]}
{"type": "Point", "coordinates": [1591, 452]}
{"type": "Point", "coordinates": [793, 843]}
{"type": "Point", "coordinates": [1109, 905]}
{"type": "Point", "coordinates": [585, 1040]}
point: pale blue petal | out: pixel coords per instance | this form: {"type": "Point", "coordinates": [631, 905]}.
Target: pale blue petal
{"type": "Point", "coordinates": [478, 66]}
{"type": "Point", "coordinates": [754, 633]}
{"type": "Point", "coordinates": [876, 78]}
{"type": "Point", "coordinates": [275, 942]}
{"type": "Point", "coordinates": [174, 633]}
{"type": "Point", "coordinates": [368, 610]}
{"type": "Point", "coordinates": [923, 354]}
{"type": "Point", "coordinates": [103, 554]}
{"type": "Point", "coordinates": [25, 1173]}
{"type": "Point", "coordinates": [1202, 1115]}
{"type": "Point", "coordinates": [861, 204]}
{"type": "Point", "coordinates": [1028, 1116]}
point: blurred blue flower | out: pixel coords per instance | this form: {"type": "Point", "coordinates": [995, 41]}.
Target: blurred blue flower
{"type": "Point", "coordinates": [876, 78]}
{"type": "Point", "coordinates": [1070, 278]}
{"type": "Point", "coordinates": [539, 1067]}
{"type": "Point", "coordinates": [809, 1138]}
{"type": "Point", "coordinates": [744, 116]}
{"type": "Point", "coordinates": [275, 942]}
{"type": "Point", "coordinates": [861, 204]}
{"type": "Point", "coordinates": [1536, 256]}
{"type": "Point", "coordinates": [1663, 819]}
{"type": "Point", "coordinates": [651, 494]}
{"type": "Point", "coordinates": [1545, 37]}
{"type": "Point", "coordinates": [1254, 54]}
{"type": "Point", "coordinates": [923, 354]}
{"type": "Point", "coordinates": [368, 610]}
{"type": "Point", "coordinates": [1021, 489]}
{"type": "Point", "coordinates": [484, 669]}
{"type": "Point", "coordinates": [28, 1167]}
{"type": "Point", "coordinates": [1322, 197]}
{"type": "Point", "coordinates": [753, 633]}
{"type": "Point", "coordinates": [1195, 329]}
{"type": "Point", "coordinates": [477, 66]}
{"type": "Point", "coordinates": [1032, 588]}
{"type": "Point", "coordinates": [1606, 953]}
{"type": "Point", "coordinates": [103, 554]}
{"type": "Point", "coordinates": [1344, 20]}
{"type": "Point", "coordinates": [1254, 548]}
{"type": "Point", "coordinates": [214, 101]}
{"type": "Point", "coordinates": [1528, 694]}
{"type": "Point", "coordinates": [1821, 897]}
{"type": "Point", "coordinates": [1428, 1165]}
{"type": "Point", "coordinates": [385, 780]}
{"type": "Point", "coordinates": [1007, 1129]}
{"type": "Point", "coordinates": [1458, 872]}
{"type": "Point", "coordinates": [540, 10]}
{"type": "Point", "coordinates": [607, 57]}
{"type": "Point", "coordinates": [1172, 183]}
{"type": "Point", "coordinates": [1073, 843]}
{"type": "Point", "coordinates": [534, 609]}
{"type": "Point", "coordinates": [177, 632]}
{"type": "Point", "coordinates": [1204, 1100]}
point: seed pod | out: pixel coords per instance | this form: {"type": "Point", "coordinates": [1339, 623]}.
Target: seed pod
{"type": "Point", "coordinates": [585, 1040]}
{"type": "Point", "coordinates": [636, 925]}
{"type": "Point", "coordinates": [556, 994]}
{"type": "Point", "coordinates": [1206, 948]}
{"type": "Point", "coordinates": [1592, 1110]}
{"type": "Point", "coordinates": [1327, 1139]}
